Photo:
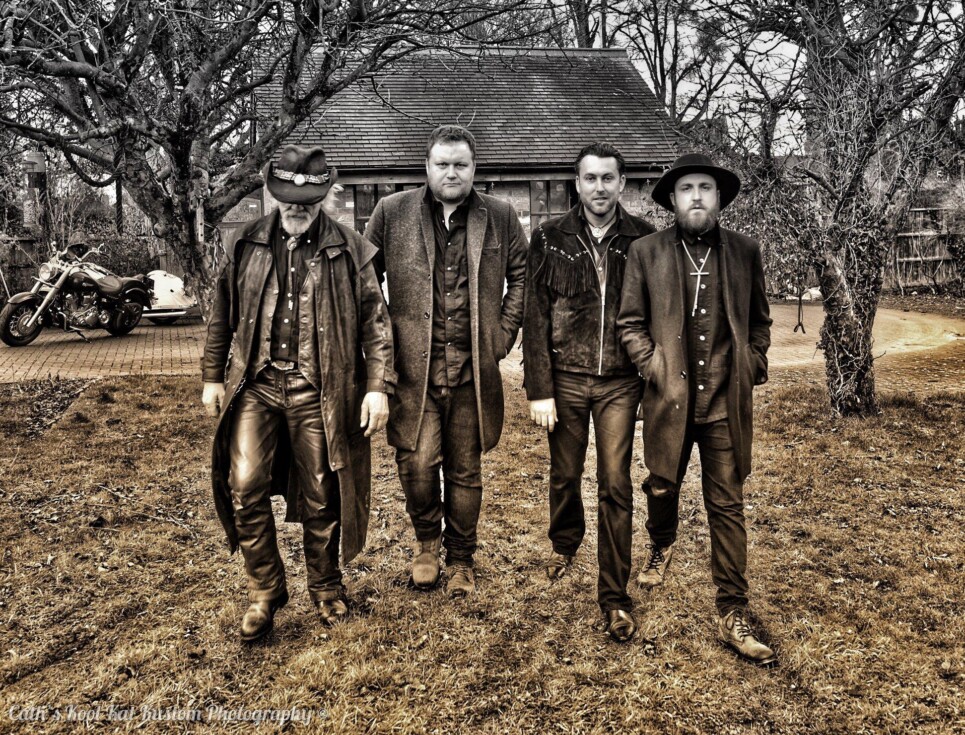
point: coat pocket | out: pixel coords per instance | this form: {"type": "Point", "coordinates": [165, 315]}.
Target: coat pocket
{"type": "Point", "coordinates": [656, 369]}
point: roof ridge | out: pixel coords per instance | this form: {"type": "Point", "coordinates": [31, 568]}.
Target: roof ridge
{"type": "Point", "coordinates": [516, 51]}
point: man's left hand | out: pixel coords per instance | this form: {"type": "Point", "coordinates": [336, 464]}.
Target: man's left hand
{"type": "Point", "coordinates": [375, 412]}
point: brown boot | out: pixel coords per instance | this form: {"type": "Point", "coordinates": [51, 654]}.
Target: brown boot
{"type": "Point", "coordinates": [735, 632]}
{"type": "Point", "coordinates": [658, 559]}
{"type": "Point", "coordinates": [462, 580]}
{"type": "Point", "coordinates": [332, 611]}
{"type": "Point", "coordinates": [425, 564]}
{"type": "Point", "coordinates": [259, 618]}
{"type": "Point", "coordinates": [557, 565]}
{"type": "Point", "coordinates": [620, 625]}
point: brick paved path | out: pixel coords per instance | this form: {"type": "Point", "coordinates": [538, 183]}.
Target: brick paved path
{"type": "Point", "coordinates": [172, 349]}
{"type": "Point", "coordinates": [926, 347]}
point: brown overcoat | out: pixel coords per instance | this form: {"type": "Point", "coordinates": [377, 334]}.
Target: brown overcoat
{"type": "Point", "coordinates": [355, 357]}
{"type": "Point", "coordinates": [651, 326]}
{"type": "Point", "coordinates": [401, 227]}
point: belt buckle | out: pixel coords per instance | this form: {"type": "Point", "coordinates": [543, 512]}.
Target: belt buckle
{"type": "Point", "coordinates": [285, 366]}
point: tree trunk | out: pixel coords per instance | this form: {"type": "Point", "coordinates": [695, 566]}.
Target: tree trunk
{"type": "Point", "coordinates": [850, 279]}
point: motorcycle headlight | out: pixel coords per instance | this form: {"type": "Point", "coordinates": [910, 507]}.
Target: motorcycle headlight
{"type": "Point", "coordinates": [46, 272]}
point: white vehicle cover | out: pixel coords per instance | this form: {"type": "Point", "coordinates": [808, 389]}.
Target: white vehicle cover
{"type": "Point", "coordinates": [169, 292]}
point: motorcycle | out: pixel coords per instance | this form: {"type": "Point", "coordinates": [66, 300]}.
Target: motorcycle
{"type": "Point", "coordinates": [74, 294]}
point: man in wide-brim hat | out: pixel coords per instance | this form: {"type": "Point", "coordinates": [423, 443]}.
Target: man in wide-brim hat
{"type": "Point", "coordinates": [695, 321]}
{"type": "Point", "coordinates": [297, 368]}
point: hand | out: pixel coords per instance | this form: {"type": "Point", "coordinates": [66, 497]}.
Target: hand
{"type": "Point", "coordinates": [212, 397]}
{"type": "Point", "coordinates": [375, 412]}
{"type": "Point", "coordinates": [543, 413]}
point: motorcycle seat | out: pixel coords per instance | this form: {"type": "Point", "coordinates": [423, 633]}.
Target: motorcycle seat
{"type": "Point", "coordinates": [112, 285]}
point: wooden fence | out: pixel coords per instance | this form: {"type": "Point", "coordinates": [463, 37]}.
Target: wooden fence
{"type": "Point", "coordinates": [920, 257]}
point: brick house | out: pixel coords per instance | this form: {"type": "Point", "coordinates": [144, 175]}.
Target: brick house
{"type": "Point", "coordinates": [531, 111]}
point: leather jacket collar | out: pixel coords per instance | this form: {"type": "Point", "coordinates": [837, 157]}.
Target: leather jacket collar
{"type": "Point", "coordinates": [322, 230]}
{"type": "Point", "coordinates": [572, 222]}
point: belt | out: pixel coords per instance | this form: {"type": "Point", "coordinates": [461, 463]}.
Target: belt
{"type": "Point", "coordinates": [284, 366]}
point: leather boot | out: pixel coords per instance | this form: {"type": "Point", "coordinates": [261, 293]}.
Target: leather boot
{"type": "Point", "coordinates": [735, 632]}
{"type": "Point", "coordinates": [259, 618]}
{"type": "Point", "coordinates": [425, 565]}
{"type": "Point", "coordinates": [462, 580]}
{"type": "Point", "coordinates": [557, 565]}
{"type": "Point", "coordinates": [658, 559]}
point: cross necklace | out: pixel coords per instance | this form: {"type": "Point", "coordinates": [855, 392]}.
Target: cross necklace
{"type": "Point", "coordinates": [698, 271]}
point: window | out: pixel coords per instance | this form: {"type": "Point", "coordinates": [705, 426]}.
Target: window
{"type": "Point", "coordinates": [366, 196]}
{"type": "Point", "coordinates": [548, 199]}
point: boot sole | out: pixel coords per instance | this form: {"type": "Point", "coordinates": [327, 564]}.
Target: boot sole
{"type": "Point", "coordinates": [764, 663]}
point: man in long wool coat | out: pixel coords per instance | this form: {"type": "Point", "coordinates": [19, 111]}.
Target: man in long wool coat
{"type": "Point", "coordinates": [455, 263]}
{"type": "Point", "coordinates": [695, 321]}
{"type": "Point", "coordinates": [298, 368]}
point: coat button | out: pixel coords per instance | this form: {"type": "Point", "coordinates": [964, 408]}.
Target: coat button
{"type": "Point", "coordinates": [426, 315]}
{"type": "Point", "coordinates": [425, 354]}
{"type": "Point", "coordinates": [683, 374]}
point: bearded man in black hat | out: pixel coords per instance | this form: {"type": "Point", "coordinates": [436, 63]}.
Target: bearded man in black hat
{"type": "Point", "coordinates": [695, 321]}
{"type": "Point", "coordinates": [298, 368]}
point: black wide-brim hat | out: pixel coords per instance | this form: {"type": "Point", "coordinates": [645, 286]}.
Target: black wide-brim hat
{"type": "Point", "coordinates": [300, 175]}
{"type": "Point", "coordinates": [728, 183]}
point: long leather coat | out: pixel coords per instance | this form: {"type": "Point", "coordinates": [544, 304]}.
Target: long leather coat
{"type": "Point", "coordinates": [651, 325]}
{"type": "Point", "coordinates": [401, 226]}
{"type": "Point", "coordinates": [354, 357]}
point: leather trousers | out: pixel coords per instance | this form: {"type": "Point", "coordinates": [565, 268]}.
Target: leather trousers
{"type": "Point", "coordinates": [273, 402]}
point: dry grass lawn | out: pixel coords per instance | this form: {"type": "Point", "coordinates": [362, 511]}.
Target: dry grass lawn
{"type": "Point", "coordinates": [116, 589]}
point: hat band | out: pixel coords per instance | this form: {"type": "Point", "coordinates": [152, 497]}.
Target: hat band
{"type": "Point", "coordinates": [300, 179]}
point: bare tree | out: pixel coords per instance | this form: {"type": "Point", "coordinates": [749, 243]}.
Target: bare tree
{"type": "Point", "coordinates": [869, 95]}
{"type": "Point", "coordinates": [159, 95]}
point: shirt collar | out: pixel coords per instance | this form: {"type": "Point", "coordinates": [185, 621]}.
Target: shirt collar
{"type": "Point", "coordinates": [614, 226]}
{"type": "Point", "coordinates": [711, 237]}
{"type": "Point", "coordinates": [436, 206]}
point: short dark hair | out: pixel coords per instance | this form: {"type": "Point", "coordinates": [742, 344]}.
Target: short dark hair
{"type": "Point", "coordinates": [451, 134]}
{"type": "Point", "coordinates": [600, 150]}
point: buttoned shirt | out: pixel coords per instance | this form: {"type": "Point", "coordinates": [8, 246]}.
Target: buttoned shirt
{"type": "Point", "coordinates": [451, 352]}
{"type": "Point", "coordinates": [599, 248]}
{"type": "Point", "coordinates": [290, 272]}
{"type": "Point", "coordinates": [708, 336]}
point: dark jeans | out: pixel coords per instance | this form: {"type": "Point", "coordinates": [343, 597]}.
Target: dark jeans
{"type": "Point", "coordinates": [272, 400]}
{"type": "Point", "coordinates": [613, 403]}
{"type": "Point", "coordinates": [448, 439]}
{"type": "Point", "coordinates": [724, 501]}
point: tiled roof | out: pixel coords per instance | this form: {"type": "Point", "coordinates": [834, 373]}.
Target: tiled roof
{"type": "Point", "coordinates": [528, 108]}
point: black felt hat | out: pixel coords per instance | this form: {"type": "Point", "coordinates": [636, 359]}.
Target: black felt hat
{"type": "Point", "coordinates": [696, 163]}
{"type": "Point", "coordinates": [300, 175]}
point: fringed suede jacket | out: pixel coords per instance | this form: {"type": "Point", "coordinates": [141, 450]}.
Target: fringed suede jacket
{"type": "Point", "coordinates": [569, 322]}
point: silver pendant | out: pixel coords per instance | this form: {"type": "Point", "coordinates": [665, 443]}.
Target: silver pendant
{"type": "Point", "coordinates": [292, 243]}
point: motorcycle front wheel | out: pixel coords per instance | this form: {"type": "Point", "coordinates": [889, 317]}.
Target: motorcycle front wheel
{"type": "Point", "coordinates": [125, 319]}
{"type": "Point", "coordinates": [13, 324]}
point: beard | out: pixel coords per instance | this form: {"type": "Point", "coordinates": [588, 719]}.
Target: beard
{"type": "Point", "coordinates": [698, 221]}
{"type": "Point", "coordinates": [296, 222]}
{"type": "Point", "coordinates": [449, 194]}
